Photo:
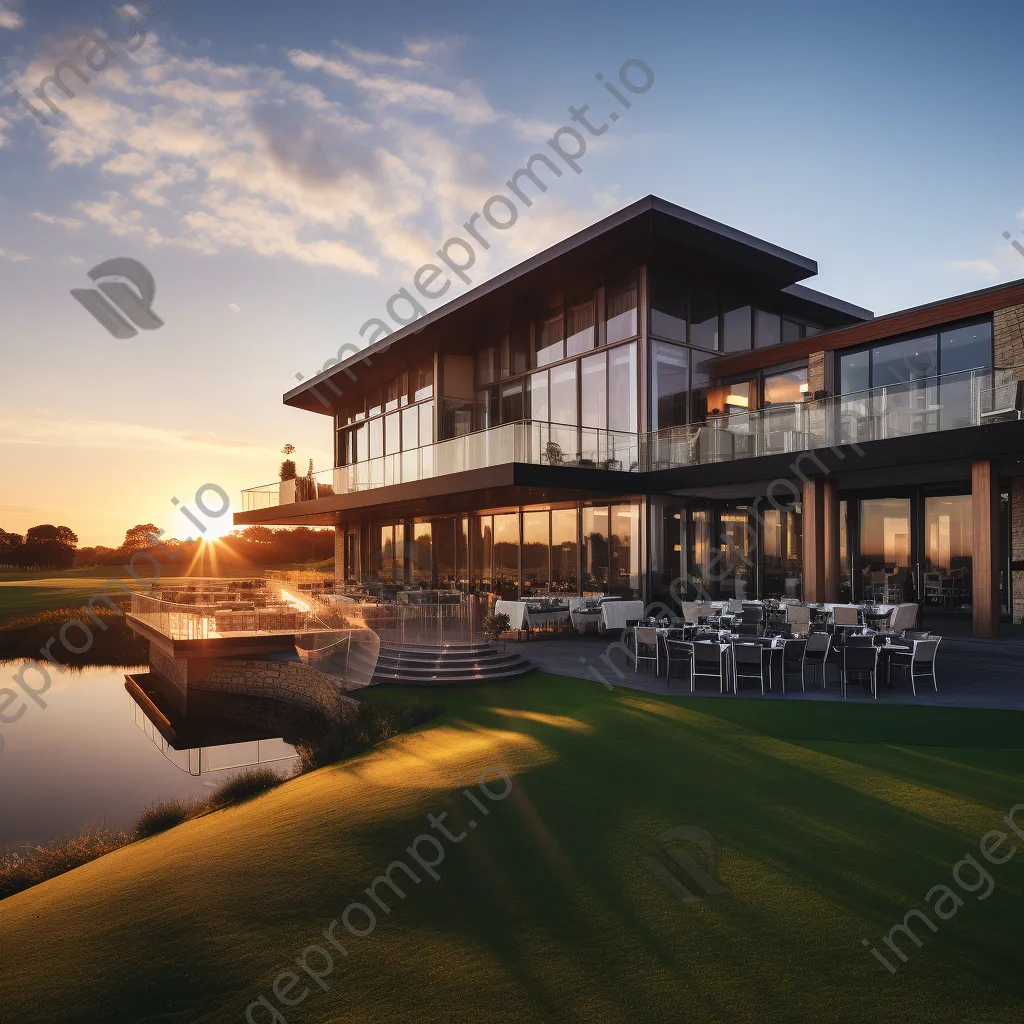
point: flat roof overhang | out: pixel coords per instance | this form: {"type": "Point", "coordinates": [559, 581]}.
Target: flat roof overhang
{"type": "Point", "coordinates": [906, 321]}
{"type": "Point", "coordinates": [257, 644]}
{"type": "Point", "coordinates": [648, 228]}
{"type": "Point", "coordinates": [476, 490]}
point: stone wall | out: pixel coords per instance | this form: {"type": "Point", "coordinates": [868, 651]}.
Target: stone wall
{"type": "Point", "coordinates": [1008, 338]}
{"type": "Point", "coordinates": [292, 682]}
{"type": "Point", "coordinates": [339, 554]}
{"type": "Point", "coordinates": [815, 372]}
{"type": "Point", "coordinates": [174, 671]}
{"type": "Point", "coordinates": [1017, 546]}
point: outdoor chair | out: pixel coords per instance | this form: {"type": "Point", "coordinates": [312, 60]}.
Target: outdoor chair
{"type": "Point", "coordinates": [843, 615]}
{"type": "Point", "coordinates": [1003, 400]}
{"type": "Point", "coordinates": [915, 634]}
{"type": "Point", "coordinates": [735, 606]}
{"type": "Point", "coordinates": [816, 652]}
{"type": "Point", "coordinates": [708, 660]}
{"type": "Point", "coordinates": [860, 656]}
{"type": "Point", "coordinates": [793, 659]}
{"type": "Point", "coordinates": [904, 616]}
{"type": "Point", "coordinates": [646, 647]}
{"type": "Point", "coordinates": [693, 610]}
{"type": "Point", "coordinates": [747, 663]}
{"type": "Point", "coordinates": [918, 661]}
{"type": "Point", "coordinates": [679, 654]}
{"type": "Point", "coordinates": [799, 619]}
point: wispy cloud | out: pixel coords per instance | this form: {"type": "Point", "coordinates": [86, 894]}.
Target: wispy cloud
{"type": "Point", "coordinates": [9, 16]}
{"type": "Point", "coordinates": [71, 223]}
{"type": "Point", "coordinates": [984, 268]}
{"type": "Point", "coordinates": [14, 257]}
{"type": "Point", "coordinates": [46, 429]}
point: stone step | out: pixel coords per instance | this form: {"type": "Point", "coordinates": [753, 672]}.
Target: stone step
{"type": "Point", "coordinates": [447, 664]}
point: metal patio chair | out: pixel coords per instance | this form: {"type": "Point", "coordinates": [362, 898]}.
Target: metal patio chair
{"type": "Point", "coordinates": [860, 656]}
{"type": "Point", "coordinates": [816, 652]}
{"type": "Point", "coordinates": [646, 647]}
{"type": "Point", "coordinates": [918, 661]}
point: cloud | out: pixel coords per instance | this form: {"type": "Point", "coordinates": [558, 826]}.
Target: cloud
{"type": "Point", "coordinates": [9, 16]}
{"type": "Point", "coordinates": [71, 223]}
{"type": "Point", "coordinates": [984, 268]}
{"type": "Point", "coordinates": [234, 307]}
{"type": "Point", "coordinates": [47, 429]}
{"type": "Point", "coordinates": [14, 257]}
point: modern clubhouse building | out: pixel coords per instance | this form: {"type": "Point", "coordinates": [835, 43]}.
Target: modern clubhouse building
{"type": "Point", "coordinates": [659, 407]}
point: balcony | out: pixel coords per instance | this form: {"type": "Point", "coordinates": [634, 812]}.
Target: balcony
{"type": "Point", "coordinates": [969, 398]}
{"type": "Point", "coordinates": [528, 441]}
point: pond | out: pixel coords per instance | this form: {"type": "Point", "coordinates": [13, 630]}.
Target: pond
{"type": "Point", "coordinates": [93, 754]}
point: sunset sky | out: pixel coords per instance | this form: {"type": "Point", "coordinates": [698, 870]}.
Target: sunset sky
{"type": "Point", "coordinates": [282, 167]}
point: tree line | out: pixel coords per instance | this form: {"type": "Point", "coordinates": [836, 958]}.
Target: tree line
{"type": "Point", "coordinates": [56, 547]}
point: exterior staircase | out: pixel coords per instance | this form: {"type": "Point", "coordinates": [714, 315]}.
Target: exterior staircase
{"type": "Point", "coordinates": [446, 664]}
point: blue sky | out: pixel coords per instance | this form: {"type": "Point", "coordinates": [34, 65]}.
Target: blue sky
{"type": "Point", "coordinates": [283, 167]}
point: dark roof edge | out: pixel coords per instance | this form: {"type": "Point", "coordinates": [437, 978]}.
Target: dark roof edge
{"type": "Point", "coordinates": [800, 291]}
{"type": "Point", "coordinates": [646, 205]}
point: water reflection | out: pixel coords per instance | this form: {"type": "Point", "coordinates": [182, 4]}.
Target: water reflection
{"type": "Point", "coordinates": [88, 756]}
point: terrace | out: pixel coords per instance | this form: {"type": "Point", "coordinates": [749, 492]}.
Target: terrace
{"type": "Point", "coordinates": [946, 402]}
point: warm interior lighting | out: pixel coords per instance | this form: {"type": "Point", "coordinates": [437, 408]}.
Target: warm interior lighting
{"type": "Point", "coordinates": [804, 388]}
{"type": "Point", "coordinates": [739, 400]}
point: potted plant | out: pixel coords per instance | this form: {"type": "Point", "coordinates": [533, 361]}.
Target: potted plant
{"type": "Point", "coordinates": [286, 488]}
{"type": "Point", "coordinates": [494, 624]}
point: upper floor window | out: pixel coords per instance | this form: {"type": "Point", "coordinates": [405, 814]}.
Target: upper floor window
{"type": "Point", "coordinates": [580, 328]}
{"type": "Point", "coordinates": [736, 328]}
{"type": "Point", "coordinates": [620, 312]}
{"type": "Point", "coordinates": [423, 378]}
{"type": "Point", "coordinates": [785, 386]}
{"type": "Point", "coordinates": [767, 329]}
{"type": "Point", "coordinates": [550, 340]}
{"type": "Point", "coordinates": [902, 360]}
{"type": "Point", "coordinates": [668, 305]}
{"type": "Point", "coordinates": [704, 318]}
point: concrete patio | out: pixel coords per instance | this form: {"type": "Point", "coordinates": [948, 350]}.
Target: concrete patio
{"type": "Point", "coordinates": [971, 673]}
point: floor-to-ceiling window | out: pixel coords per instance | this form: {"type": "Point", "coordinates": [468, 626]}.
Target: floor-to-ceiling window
{"type": "Point", "coordinates": [387, 553]}
{"type": "Point", "coordinates": [782, 562]}
{"type": "Point", "coordinates": [885, 546]}
{"type": "Point", "coordinates": [564, 550]}
{"type": "Point", "coordinates": [624, 551]}
{"type": "Point", "coordinates": [506, 555]}
{"type": "Point", "coordinates": [536, 551]}
{"type": "Point", "coordinates": [948, 549]}
{"type": "Point", "coordinates": [595, 550]}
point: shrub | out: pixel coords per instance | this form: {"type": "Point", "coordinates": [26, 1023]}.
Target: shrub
{"type": "Point", "coordinates": [494, 625]}
{"type": "Point", "coordinates": [375, 722]}
{"type": "Point", "coordinates": [159, 817]}
{"type": "Point", "coordinates": [244, 786]}
{"type": "Point", "coordinates": [18, 872]}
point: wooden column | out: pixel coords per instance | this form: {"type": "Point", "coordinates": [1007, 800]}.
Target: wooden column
{"type": "Point", "coordinates": [830, 539]}
{"type": "Point", "coordinates": [986, 550]}
{"type": "Point", "coordinates": [814, 540]}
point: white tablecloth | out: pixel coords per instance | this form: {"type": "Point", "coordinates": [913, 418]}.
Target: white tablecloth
{"type": "Point", "coordinates": [518, 617]}
{"type": "Point", "coordinates": [614, 614]}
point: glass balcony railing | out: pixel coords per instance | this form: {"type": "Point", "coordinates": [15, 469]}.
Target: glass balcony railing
{"type": "Point", "coordinates": [969, 398]}
{"type": "Point", "coordinates": [965, 399]}
{"type": "Point", "coordinates": [527, 441]}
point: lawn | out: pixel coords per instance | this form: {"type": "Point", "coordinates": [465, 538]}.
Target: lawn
{"type": "Point", "coordinates": [832, 821]}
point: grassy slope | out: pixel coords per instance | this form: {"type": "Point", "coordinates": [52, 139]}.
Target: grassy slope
{"type": "Point", "coordinates": [832, 820]}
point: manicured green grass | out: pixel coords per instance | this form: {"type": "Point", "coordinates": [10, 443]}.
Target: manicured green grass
{"type": "Point", "coordinates": [832, 821]}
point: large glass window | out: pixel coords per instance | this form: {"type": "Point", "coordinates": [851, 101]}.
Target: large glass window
{"type": "Point", "coordinates": [410, 428]}
{"type": "Point", "coordinates": [563, 393]}
{"type": "Point", "coordinates": [671, 385]}
{"type": "Point", "coordinates": [393, 432]}
{"type": "Point", "coordinates": [621, 317]}
{"type": "Point", "coordinates": [885, 550]}
{"type": "Point", "coordinates": [736, 328]}
{"type": "Point", "coordinates": [854, 372]}
{"type": "Point", "coordinates": [704, 318]}
{"type": "Point", "coordinates": [594, 391]}
{"type": "Point", "coordinates": [624, 551]}
{"type": "Point", "coordinates": [376, 428]}
{"type": "Point", "coordinates": [442, 535]}
{"type": "Point", "coordinates": [387, 553]}
{"type": "Point", "coordinates": [903, 361]}
{"type": "Point", "coordinates": [506, 555]}
{"type": "Point", "coordinates": [536, 544]}
{"type": "Point", "coordinates": [550, 340]}
{"type": "Point", "coordinates": [564, 550]}
{"type": "Point", "coordinates": [622, 387]}
{"type": "Point", "coordinates": [580, 328]}
{"type": "Point", "coordinates": [668, 305]}
{"type": "Point", "coordinates": [965, 348]}
{"type": "Point", "coordinates": [949, 545]}
{"type": "Point", "coordinates": [420, 555]}
{"type": "Point", "coordinates": [481, 549]}
{"type": "Point", "coordinates": [735, 570]}
{"type": "Point", "coordinates": [787, 386]}
{"type": "Point", "coordinates": [767, 329]}
{"type": "Point", "coordinates": [782, 554]}
{"type": "Point", "coordinates": [540, 408]}
{"type": "Point", "coordinates": [512, 402]}
{"type": "Point", "coordinates": [595, 551]}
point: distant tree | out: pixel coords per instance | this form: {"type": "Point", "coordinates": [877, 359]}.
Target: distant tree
{"type": "Point", "coordinates": [9, 545]}
{"type": "Point", "coordinates": [139, 537]}
{"type": "Point", "coordinates": [52, 547]}
{"type": "Point", "coordinates": [258, 535]}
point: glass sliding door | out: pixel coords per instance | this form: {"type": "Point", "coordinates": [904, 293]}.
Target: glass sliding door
{"type": "Point", "coordinates": [595, 550]}
{"type": "Point", "coordinates": [885, 550]}
{"type": "Point", "coordinates": [782, 557]}
{"type": "Point", "coordinates": [624, 551]}
{"type": "Point", "coordinates": [948, 549]}
{"type": "Point", "coordinates": [564, 551]}
{"type": "Point", "coordinates": [536, 547]}
{"type": "Point", "coordinates": [506, 555]}
{"type": "Point", "coordinates": [735, 572]}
